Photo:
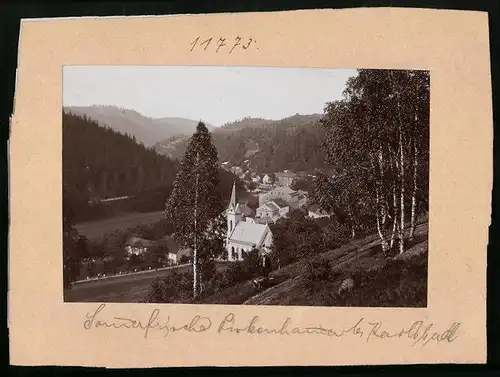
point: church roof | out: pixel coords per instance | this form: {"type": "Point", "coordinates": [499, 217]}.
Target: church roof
{"type": "Point", "coordinates": [249, 233]}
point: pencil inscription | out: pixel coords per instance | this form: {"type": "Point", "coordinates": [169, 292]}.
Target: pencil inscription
{"type": "Point", "coordinates": [221, 44]}
{"type": "Point", "coordinates": [417, 332]}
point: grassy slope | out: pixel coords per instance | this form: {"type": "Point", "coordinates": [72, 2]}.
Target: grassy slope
{"type": "Point", "coordinates": [379, 282]}
{"type": "Point", "coordinates": [95, 230]}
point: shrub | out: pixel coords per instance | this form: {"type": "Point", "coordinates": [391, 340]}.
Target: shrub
{"type": "Point", "coordinates": [250, 264]}
{"type": "Point", "coordinates": [335, 235]}
{"type": "Point", "coordinates": [173, 288]}
{"type": "Point", "coordinates": [398, 283]}
{"type": "Point", "coordinates": [235, 273]}
{"type": "Point", "coordinates": [317, 269]}
{"type": "Point", "coordinates": [208, 269]}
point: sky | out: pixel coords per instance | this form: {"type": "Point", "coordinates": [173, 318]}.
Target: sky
{"type": "Point", "coordinates": [216, 95]}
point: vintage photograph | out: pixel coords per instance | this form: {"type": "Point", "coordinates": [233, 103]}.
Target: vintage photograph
{"type": "Point", "coordinates": [245, 185]}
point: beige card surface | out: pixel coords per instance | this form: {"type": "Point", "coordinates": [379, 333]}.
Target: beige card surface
{"type": "Point", "coordinates": [408, 146]}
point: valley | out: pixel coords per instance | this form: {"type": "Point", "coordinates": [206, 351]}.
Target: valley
{"type": "Point", "coordinates": [96, 230]}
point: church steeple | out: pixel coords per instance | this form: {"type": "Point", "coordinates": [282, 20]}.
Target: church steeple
{"type": "Point", "coordinates": [232, 203]}
{"type": "Point", "coordinates": [233, 213]}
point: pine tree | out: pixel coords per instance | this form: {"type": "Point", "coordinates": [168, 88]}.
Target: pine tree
{"type": "Point", "coordinates": [195, 206]}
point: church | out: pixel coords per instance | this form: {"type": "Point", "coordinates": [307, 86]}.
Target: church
{"type": "Point", "coordinates": [243, 232]}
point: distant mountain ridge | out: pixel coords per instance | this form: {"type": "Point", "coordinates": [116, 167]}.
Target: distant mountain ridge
{"type": "Point", "coordinates": [146, 130]}
{"type": "Point", "coordinates": [293, 142]}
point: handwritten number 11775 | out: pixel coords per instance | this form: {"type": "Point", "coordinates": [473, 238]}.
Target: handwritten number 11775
{"type": "Point", "coordinates": [220, 44]}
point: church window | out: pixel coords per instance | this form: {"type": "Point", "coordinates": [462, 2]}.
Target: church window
{"type": "Point", "coordinates": [231, 225]}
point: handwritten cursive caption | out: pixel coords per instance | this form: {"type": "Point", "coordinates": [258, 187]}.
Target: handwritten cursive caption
{"type": "Point", "coordinates": [222, 44]}
{"type": "Point", "coordinates": [417, 332]}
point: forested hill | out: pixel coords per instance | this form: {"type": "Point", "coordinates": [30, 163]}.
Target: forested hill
{"type": "Point", "coordinates": [100, 162]}
{"type": "Point", "coordinates": [244, 123]}
{"type": "Point", "coordinates": [146, 130]}
{"type": "Point", "coordinates": [290, 143]}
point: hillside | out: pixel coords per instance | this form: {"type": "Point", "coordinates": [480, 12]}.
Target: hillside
{"type": "Point", "coordinates": [146, 130]}
{"type": "Point", "coordinates": [377, 279]}
{"type": "Point", "coordinates": [99, 162]}
{"type": "Point", "coordinates": [269, 145]}
{"type": "Point", "coordinates": [244, 123]}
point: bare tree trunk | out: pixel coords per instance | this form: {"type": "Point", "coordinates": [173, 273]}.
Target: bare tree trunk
{"type": "Point", "coordinates": [402, 197]}
{"type": "Point", "coordinates": [394, 169]}
{"type": "Point", "coordinates": [383, 240]}
{"type": "Point", "coordinates": [414, 193]}
{"type": "Point", "coordinates": [395, 215]}
{"type": "Point", "coordinates": [383, 201]}
{"type": "Point", "coordinates": [195, 251]}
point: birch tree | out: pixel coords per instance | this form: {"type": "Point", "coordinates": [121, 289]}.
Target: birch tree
{"type": "Point", "coordinates": [195, 207]}
{"type": "Point", "coordinates": [377, 135]}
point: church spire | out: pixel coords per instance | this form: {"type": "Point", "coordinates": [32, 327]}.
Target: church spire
{"type": "Point", "coordinates": [232, 203]}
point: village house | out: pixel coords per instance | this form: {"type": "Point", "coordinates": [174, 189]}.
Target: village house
{"type": "Point", "coordinates": [256, 179]}
{"type": "Point", "coordinates": [137, 246]}
{"type": "Point", "coordinates": [267, 180]}
{"type": "Point", "coordinates": [273, 209]}
{"type": "Point", "coordinates": [315, 212]}
{"type": "Point", "coordinates": [243, 232]}
{"type": "Point", "coordinates": [295, 199]}
{"type": "Point", "coordinates": [268, 209]}
{"type": "Point", "coordinates": [303, 198]}
{"type": "Point", "coordinates": [285, 178]}
{"type": "Point", "coordinates": [175, 253]}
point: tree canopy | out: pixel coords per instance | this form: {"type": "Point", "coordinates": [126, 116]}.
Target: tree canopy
{"type": "Point", "coordinates": [195, 206]}
{"type": "Point", "coordinates": [377, 141]}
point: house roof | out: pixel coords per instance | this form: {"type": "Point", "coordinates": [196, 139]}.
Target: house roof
{"type": "Point", "coordinates": [172, 245]}
{"type": "Point", "coordinates": [249, 233]}
{"type": "Point", "coordinates": [313, 208]}
{"type": "Point", "coordinates": [139, 242]}
{"type": "Point", "coordinates": [186, 252]}
{"type": "Point", "coordinates": [316, 209]}
{"type": "Point", "coordinates": [272, 206]}
{"type": "Point", "coordinates": [280, 203]}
